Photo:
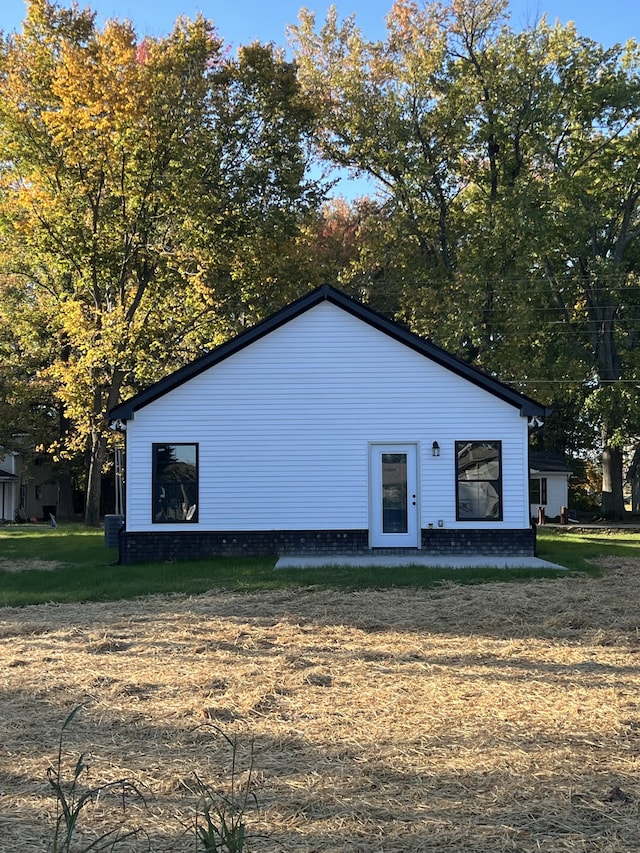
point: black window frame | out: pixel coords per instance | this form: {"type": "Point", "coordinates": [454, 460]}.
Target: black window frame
{"type": "Point", "coordinates": [192, 511]}
{"type": "Point", "coordinates": [542, 490]}
{"type": "Point", "coordinates": [461, 445]}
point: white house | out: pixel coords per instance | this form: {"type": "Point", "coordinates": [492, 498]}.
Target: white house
{"type": "Point", "coordinates": [326, 428]}
{"type": "Point", "coordinates": [549, 483]}
{"type": "Point", "coordinates": [9, 488]}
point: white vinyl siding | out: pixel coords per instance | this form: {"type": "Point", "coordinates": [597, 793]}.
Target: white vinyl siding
{"type": "Point", "coordinates": [557, 493]}
{"type": "Point", "coordinates": [284, 426]}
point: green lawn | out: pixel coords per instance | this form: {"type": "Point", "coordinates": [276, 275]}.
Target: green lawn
{"type": "Point", "coordinates": [87, 571]}
{"type": "Point", "coordinates": [577, 549]}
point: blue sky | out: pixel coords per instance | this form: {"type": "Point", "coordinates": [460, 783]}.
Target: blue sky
{"type": "Point", "coordinates": [242, 21]}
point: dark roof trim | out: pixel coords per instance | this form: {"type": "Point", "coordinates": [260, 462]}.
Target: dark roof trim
{"type": "Point", "coordinates": [7, 475]}
{"type": "Point", "coordinates": [527, 406]}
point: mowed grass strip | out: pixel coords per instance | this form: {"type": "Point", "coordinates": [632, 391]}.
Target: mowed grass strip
{"type": "Point", "coordinates": [71, 564]}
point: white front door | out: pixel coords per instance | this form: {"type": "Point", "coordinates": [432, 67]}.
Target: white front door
{"type": "Point", "coordinates": [393, 510]}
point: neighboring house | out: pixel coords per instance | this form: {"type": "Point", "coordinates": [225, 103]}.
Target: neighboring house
{"type": "Point", "coordinates": [9, 490]}
{"type": "Point", "coordinates": [28, 489]}
{"type": "Point", "coordinates": [548, 483]}
{"type": "Point", "coordinates": [633, 478]}
{"type": "Point", "coordinates": [326, 428]}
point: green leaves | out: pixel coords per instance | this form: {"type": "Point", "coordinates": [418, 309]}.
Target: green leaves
{"type": "Point", "coordinates": [510, 225]}
{"type": "Point", "coordinates": [138, 178]}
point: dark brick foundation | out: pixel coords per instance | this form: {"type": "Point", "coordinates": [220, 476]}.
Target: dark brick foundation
{"type": "Point", "coordinates": [505, 543]}
{"type": "Point", "coordinates": [190, 545]}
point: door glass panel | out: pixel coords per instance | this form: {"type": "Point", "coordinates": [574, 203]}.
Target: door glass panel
{"type": "Point", "coordinates": [394, 493]}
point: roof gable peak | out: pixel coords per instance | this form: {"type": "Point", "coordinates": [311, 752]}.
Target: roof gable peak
{"type": "Point", "coordinates": [327, 293]}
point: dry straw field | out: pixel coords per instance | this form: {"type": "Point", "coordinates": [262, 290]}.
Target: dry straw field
{"type": "Point", "coordinates": [481, 718]}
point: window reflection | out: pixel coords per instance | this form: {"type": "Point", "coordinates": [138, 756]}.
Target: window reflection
{"type": "Point", "coordinates": [479, 480]}
{"type": "Point", "coordinates": [175, 482]}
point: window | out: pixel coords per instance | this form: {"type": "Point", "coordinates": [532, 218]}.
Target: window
{"type": "Point", "coordinates": [479, 480]}
{"type": "Point", "coordinates": [175, 483]}
{"type": "Point", "coordinates": [538, 491]}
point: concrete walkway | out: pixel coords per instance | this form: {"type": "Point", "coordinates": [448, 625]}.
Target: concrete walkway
{"type": "Point", "coordinates": [428, 561]}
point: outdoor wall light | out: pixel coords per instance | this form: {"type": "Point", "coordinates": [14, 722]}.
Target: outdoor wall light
{"type": "Point", "coordinates": [435, 449]}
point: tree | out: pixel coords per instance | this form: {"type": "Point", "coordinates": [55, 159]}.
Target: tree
{"type": "Point", "coordinates": [510, 226]}
{"type": "Point", "coordinates": [563, 195]}
{"type": "Point", "coordinates": [135, 176]}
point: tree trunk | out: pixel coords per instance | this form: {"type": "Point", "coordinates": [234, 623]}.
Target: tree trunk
{"type": "Point", "coordinates": [98, 450]}
{"type": "Point", "coordinates": [98, 456]}
{"type": "Point", "coordinates": [612, 480]}
{"type": "Point", "coordinates": [602, 325]}
{"type": "Point", "coordinates": [65, 494]}
{"type": "Point", "coordinates": [65, 480]}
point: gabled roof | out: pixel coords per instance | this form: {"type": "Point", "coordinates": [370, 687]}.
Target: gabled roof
{"type": "Point", "coordinates": [326, 293]}
{"type": "Point", "coordinates": [548, 461]}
